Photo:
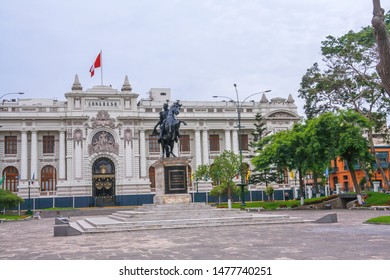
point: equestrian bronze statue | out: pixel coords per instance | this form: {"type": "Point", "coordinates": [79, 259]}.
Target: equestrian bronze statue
{"type": "Point", "coordinates": [169, 128]}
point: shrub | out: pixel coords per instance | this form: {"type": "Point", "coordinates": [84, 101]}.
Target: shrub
{"type": "Point", "coordinates": [9, 199]}
{"type": "Point", "coordinates": [269, 191]}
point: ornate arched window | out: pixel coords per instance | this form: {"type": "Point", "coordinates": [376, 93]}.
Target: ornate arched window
{"type": "Point", "coordinates": [11, 175]}
{"type": "Point", "coordinates": [48, 178]}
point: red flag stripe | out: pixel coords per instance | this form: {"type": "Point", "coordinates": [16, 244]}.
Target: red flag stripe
{"type": "Point", "coordinates": [97, 63]}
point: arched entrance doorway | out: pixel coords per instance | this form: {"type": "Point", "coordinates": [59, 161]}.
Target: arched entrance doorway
{"type": "Point", "coordinates": [103, 182]}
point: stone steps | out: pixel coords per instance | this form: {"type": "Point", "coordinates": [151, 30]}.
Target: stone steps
{"type": "Point", "coordinates": [173, 217]}
{"type": "Point", "coordinates": [174, 207]}
{"type": "Point", "coordinates": [99, 226]}
{"type": "Point", "coordinates": [169, 215]}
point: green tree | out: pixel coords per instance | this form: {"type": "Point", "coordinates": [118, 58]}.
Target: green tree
{"type": "Point", "coordinates": [285, 150]}
{"type": "Point", "coordinates": [224, 169]}
{"type": "Point", "coordinates": [259, 132]}
{"type": "Point", "coordinates": [9, 199]}
{"type": "Point", "coordinates": [349, 81]}
{"type": "Point", "coordinates": [353, 147]}
{"type": "Point", "coordinates": [310, 147]}
{"type": "Point", "coordinates": [269, 191]}
{"type": "Point", "coordinates": [222, 190]}
{"type": "Point", "coordinates": [202, 172]}
{"type": "Point", "coordinates": [321, 135]}
{"type": "Point", "coordinates": [266, 175]}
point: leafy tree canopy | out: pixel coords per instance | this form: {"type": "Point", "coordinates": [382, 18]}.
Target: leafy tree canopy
{"type": "Point", "coordinates": [9, 199]}
{"type": "Point", "coordinates": [310, 147]}
{"type": "Point", "coordinates": [349, 79]}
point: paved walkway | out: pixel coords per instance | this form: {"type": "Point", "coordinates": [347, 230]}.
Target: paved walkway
{"type": "Point", "coordinates": [347, 239]}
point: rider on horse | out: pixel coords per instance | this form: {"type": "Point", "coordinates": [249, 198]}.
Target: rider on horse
{"type": "Point", "coordinates": [161, 122]}
{"type": "Point", "coordinates": [169, 127]}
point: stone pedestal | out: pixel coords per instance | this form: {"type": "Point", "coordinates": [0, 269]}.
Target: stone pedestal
{"type": "Point", "coordinates": [171, 181]}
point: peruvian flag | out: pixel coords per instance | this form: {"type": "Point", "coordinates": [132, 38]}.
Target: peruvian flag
{"type": "Point", "coordinates": [96, 64]}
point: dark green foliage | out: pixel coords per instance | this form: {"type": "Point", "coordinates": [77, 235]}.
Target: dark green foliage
{"type": "Point", "coordinates": [269, 191]}
{"type": "Point", "coordinates": [222, 190]}
{"type": "Point", "coordinates": [9, 199]}
{"type": "Point", "coordinates": [349, 79]}
{"type": "Point", "coordinates": [310, 147]}
{"type": "Point", "coordinates": [223, 170]}
{"type": "Point", "coordinates": [258, 133]}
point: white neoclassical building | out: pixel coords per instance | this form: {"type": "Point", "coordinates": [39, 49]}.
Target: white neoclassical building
{"type": "Point", "coordinates": [97, 146]}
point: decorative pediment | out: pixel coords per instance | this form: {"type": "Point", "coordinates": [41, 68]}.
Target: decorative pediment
{"type": "Point", "coordinates": [103, 120]}
{"type": "Point", "coordinates": [282, 115]}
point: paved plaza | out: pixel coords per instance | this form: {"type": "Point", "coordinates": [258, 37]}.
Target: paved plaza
{"type": "Point", "coordinates": [347, 239]}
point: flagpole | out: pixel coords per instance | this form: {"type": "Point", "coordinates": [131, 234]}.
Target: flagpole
{"type": "Point", "coordinates": [101, 66]}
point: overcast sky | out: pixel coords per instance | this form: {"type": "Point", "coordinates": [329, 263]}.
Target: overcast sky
{"type": "Point", "coordinates": [198, 48]}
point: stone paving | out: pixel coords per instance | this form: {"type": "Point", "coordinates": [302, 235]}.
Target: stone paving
{"type": "Point", "coordinates": [347, 239]}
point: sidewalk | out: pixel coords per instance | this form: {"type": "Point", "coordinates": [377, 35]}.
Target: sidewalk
{"type": "Point", "coordinates": [347, 239]}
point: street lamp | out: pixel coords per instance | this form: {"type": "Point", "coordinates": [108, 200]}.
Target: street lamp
{"type": "Point", "coordinates": [10, 94]}
{"type": "Point", "coordinates": [239, 108]}
{"type": "Point", "coordinates": [29, 212]}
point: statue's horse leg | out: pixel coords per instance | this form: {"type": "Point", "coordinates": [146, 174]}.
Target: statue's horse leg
{"type": "Point", "coordinates": [171, 148]}
{"type": "Point", "coordinates": [168, 150]}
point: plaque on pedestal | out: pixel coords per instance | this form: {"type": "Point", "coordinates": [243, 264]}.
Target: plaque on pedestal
{"type": "Point", "coordinates": [171, 181]}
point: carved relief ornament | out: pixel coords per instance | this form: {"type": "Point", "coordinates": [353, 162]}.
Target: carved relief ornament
{"type": "Point", "coordinates": [103, 142]}
{"type": "Point", "coordinates": [103, 119]}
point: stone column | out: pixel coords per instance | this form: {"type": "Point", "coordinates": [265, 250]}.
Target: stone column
{"type": "Point", "coordinates": [235, 142]}
{"type": "Point", "coordinates": [228, 142]}
{"type": "Point", "coordinates": [142, 145]}
{"type": "Point", "coordinates": [128, 159]}
{"type": "Point", "coordinates": [205, 147]}
{"type": "Point", "coordinates": [61, 171]}
{"type": "Point", "coordinates": [34, 155]}
{"type": "Point", "coordinates": [198, 148]}
{"type": "Point", "coordinates": [24, 157]}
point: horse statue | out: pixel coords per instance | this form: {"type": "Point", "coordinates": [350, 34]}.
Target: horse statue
{"type": "Point", "coordinates": [169, 129]}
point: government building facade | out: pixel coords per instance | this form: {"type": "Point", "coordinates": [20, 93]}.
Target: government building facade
{"type": "Point", "coordinates": [97, 147]}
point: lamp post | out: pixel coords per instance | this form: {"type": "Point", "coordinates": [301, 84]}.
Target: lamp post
{"type": "Point", "coordinates": [29, 212]}
{"type": "Point", "coordinates": [10, 94]}
{"type": "Point", "coordinates": [239, 108]}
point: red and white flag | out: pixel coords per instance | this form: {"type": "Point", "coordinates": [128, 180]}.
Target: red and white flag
{"type": "Point", "coordinates": [96, 64]}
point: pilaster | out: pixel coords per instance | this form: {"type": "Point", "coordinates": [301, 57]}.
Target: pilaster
{"type": "Point", "coordinates": [205, 146]}
{"type": "Point", "coordinates": [228, 141]}
{"type": "Point", "coordinates": [62, 172]}
{"type": "Point", "coordinates": [142, 145]}
{"type": "Point", "coordinates": [34, 155]}
{"type": "Point", "coordinates": [235, 141]}
{"type": "Point", "coordinates": [24, 157]}
{"type": "Point", "coordinates": [198, 148]}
